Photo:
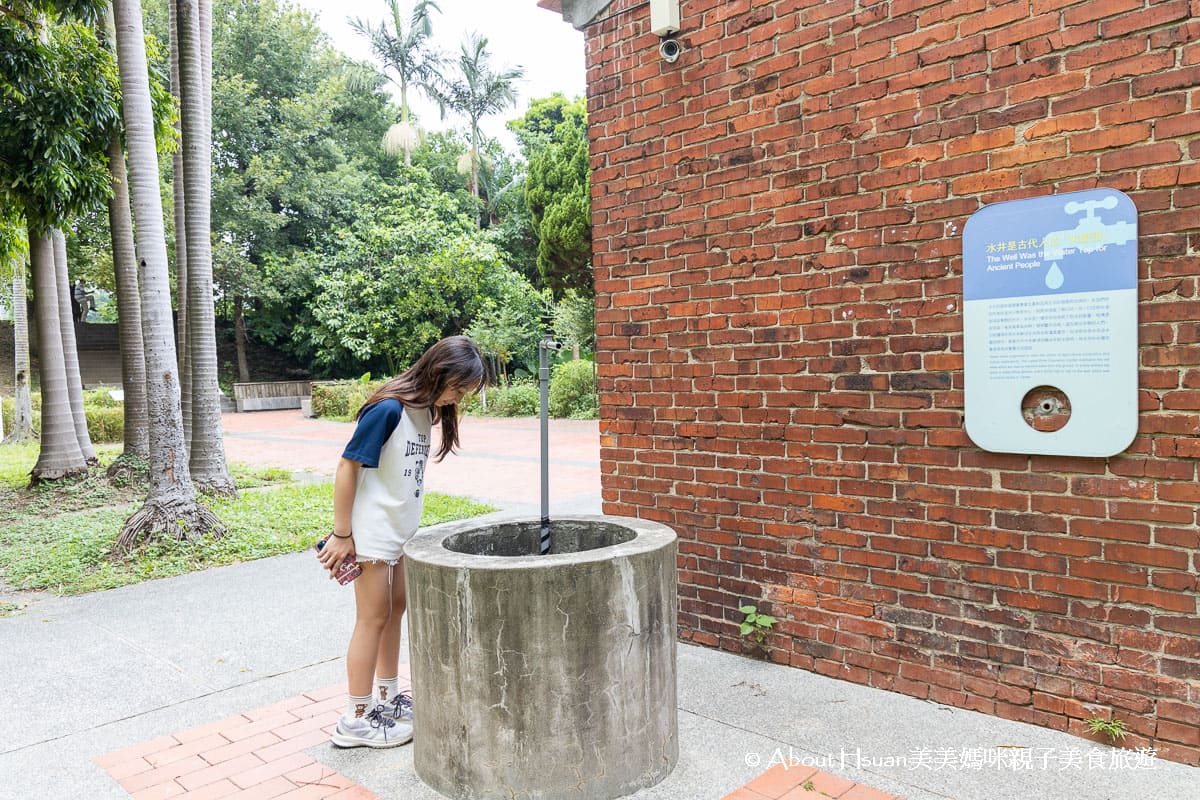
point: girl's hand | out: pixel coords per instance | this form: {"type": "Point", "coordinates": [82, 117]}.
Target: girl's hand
{"type": "Point", "coordinates": [336, 550]}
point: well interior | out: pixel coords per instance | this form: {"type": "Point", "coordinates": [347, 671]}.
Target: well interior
{"type": "Point", "coordinates": [523, 538]}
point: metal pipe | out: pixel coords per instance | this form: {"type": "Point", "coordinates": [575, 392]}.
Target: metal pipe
{"type": "Point", "coordinates": [544, 348]}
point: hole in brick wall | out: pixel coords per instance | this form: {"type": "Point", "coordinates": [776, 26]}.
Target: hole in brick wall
{"type": "Point", "coordinates": [1046, 408]}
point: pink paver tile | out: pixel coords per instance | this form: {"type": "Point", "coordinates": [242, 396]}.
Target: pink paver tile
{"type": "Point", "coordinates": [334, 705]}
{"type": "Point", "coordinates": [185, 749]}
{"type": "Point", "coordinates": [355, 793]}
{"type": "Point", "coordinates": [293, 745]}
{"type": "Point", "coordinates": [742, 794]}
{"type": "Point", "coordinates": [274, 769]}
{"type": "Point", "coordinates": [159, 791]}
{"type": "Point", "coordinates": [216, 772]}
{"type": "Point", "coordinates": [219, 726]}
{"type": "Point", "coordinates": [860, 792]}
{"type": "Point", "coordinates": [247, 728]}
{"type": "Point", "coordinates": [822, 785]}
{"type": "Point", "coordinates": [309, 793]}
{"type": "Point", "coordinates": [284, 705]}
{"type": "Point", "coordinates": [779, 779]}
{"type": "Point", "coordinates": [257, 755]}
{"type": "Point", "coordinates": [124, 769]}
{"type": "Point", "coordinates": [228, 750]}
{"type": "Point", "coordinates": [313, 723]}
{"type": "Point", "coordinates": [832, 785]}
{"type": "Point", "coordinates": [163, 774]}
{"type": "Point", "coordinates": [266, 790]}
{"type": "Point", "coordinates": [319, 774]}
{"type": "Point", "coordinates": [135, 751]}
{"type": "Point", "coordinates": [213, 791]}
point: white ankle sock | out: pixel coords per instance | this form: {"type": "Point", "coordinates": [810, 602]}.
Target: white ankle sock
{"type": "Point", "coordinates": [386, 688]}
{"type": "Point", "coordinates": [359, 706]}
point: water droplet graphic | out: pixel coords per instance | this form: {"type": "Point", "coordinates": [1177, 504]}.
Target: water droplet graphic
{"type": "Point", "coordinates": [1054, 278]}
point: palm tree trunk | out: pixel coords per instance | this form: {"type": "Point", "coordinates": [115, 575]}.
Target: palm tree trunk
{"type": "Point", "coordinates": [60, 455]}
{"type": "Point", "coordinates": [171, 508]}
{"type": "Point", "coordinates": [22, 400]}
{"type": "Point", "coordinates": [183, 355]}
{"type": "Point", "coordinates": [70, 348]}
{"type": "Point", "coordinates": [207, 458]}
{"type": "Point", "coordinates": [129, 307]}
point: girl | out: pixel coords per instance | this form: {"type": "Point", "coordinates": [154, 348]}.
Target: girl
{"type": "Point", "coordinates": [376, 509]}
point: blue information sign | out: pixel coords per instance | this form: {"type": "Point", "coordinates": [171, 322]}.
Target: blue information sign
{"type": "Point", "coordinates": [1050, 300]}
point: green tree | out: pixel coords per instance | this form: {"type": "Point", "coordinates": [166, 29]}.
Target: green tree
{"type": "Point", "coordinates": [57, 111]}
{"type": "Point", "coordinates": [403, 276]}
{"type": "Point", "coordinates": [407, 55]}
{"type": "Point", "coordinates": [297, 132]}
{"type": "Point", "coordinates": [476, 92]}
{"type": "Point", "coordinates": [507, 327]}
{"type": "Point", "coordinates": [558, 194]}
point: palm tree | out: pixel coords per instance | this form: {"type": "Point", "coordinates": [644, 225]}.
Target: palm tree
{"type": "Point", "coordinates": [477, 92]}
{"type": "Point", "coordinates": [60, 455]}
{"type": "Point", "coordinates": [70, 348]}
{"type": "Point", "coordinates": [14, 252]}
{"type": "Point", "coordinates": [207, 457]}
{"type": "Point", "coordinates": [129, 310]}
{"type": "Point", "coordinates": [171, 508]}
{"type": "Point", "coordinates": [408, 54]}
{"type": "Point", "coordinates": [181, 270]}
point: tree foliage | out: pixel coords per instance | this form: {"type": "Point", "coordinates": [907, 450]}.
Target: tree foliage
{"type": "Point", "coordinates": [404, 275]}
{"type": "Point", "coordinates": [553, 134]}
{"type": "Point", "coordinates": [58, 108]}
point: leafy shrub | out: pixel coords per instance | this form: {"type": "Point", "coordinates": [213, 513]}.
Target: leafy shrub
{"type": "Point", "coordinates": [101, 397]}
{"type": "Point", "coordinates": [471, 404]}
{"type": "Point", "coordinates": [573, 390]}
{"type": "Point", "coordinates": [518, 400]}
{"type": "Point", "coordinates": [105, 423]}
{"type": "Point", "coordinates": [341, 399]}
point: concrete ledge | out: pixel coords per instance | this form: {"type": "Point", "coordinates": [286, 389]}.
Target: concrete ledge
{"type": "Point", "coordinates": [270, 395]}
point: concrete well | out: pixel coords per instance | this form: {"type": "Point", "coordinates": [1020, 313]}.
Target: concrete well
{"type": "Point", "coordinates": [546, 677]}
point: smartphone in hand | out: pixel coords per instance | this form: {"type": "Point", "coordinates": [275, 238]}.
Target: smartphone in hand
{"type": "Point", "coordinates": [348, 570]}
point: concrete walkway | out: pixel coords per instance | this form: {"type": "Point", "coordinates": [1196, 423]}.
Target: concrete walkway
{"type": "Point", "coordinates": [223, 683]}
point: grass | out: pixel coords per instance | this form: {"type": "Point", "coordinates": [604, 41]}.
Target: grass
{"type": "Point", "coordinates": [57, 538]}
{"type": "Point", "coordinates": [18, 500]}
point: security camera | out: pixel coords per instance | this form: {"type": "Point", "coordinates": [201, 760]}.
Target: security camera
{"type": "Point", "coordinates": [670, 49]}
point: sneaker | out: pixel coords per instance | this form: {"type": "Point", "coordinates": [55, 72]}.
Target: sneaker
{"type": "Point", "coordinates": [400, 707]}
{"type": "Point", "coordinates": [376, 729]}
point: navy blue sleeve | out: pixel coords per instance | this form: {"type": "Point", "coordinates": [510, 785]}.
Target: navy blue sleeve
{"type": "Point", "coordinates": [375, 427]}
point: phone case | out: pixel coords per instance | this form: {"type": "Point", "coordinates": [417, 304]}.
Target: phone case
{"type": "Point", "coordinates": [348, 570]}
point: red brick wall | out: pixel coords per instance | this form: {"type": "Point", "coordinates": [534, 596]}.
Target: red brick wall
{"type": "Point", "coordinates": [777, 224]}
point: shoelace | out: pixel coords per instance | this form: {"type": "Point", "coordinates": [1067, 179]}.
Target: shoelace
{"type": "Point", "coordinates": [378, 719]}
{"type": "Point", "coordinates": [403, 702]}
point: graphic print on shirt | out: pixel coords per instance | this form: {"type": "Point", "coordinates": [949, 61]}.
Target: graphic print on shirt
{"type": "Point", "coordinates": [419, 449]}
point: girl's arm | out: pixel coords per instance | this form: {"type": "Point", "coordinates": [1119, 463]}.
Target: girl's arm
{"type": "Point", "coordinates": [345, 486]}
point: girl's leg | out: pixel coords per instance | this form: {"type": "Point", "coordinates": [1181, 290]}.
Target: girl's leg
{"type": "Point", "coordinates": [371, 603]}
{"type": "Point", "coordinates": [387, 661]}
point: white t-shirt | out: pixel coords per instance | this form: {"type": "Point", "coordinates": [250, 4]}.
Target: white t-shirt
{"type": "Point", "coordinates": [392, 444]}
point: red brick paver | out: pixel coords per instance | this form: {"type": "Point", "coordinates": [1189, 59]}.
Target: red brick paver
{"type": "Point", "coordinates": [257, 754]}
{"type": "Point", "coordinates": [783, 782]}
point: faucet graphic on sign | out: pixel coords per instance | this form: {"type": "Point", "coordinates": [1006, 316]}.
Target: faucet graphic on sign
{"type": "Point", "coordinates": [1091, 235]}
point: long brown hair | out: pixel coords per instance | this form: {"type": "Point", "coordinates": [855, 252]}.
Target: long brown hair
{"type": "Point", "coordinates": [454, 362]}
